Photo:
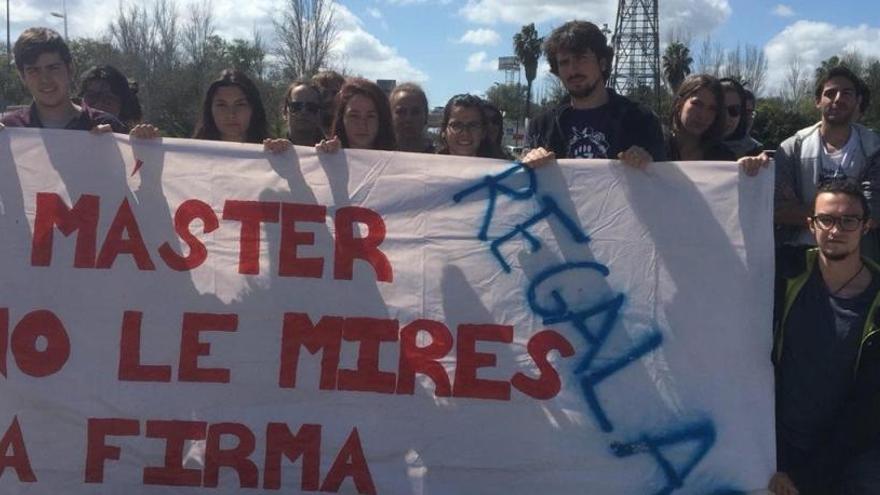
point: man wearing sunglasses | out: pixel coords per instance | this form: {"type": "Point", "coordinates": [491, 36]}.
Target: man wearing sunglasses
{"type": "Point", "coordinates": [302, 111]}
{"type": "Point", "coordinates": [835, 147]}
{"type": "Point", "coordinates": [827, 355]}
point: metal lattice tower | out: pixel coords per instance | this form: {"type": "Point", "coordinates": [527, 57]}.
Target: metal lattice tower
{"type": "Point", "coordinates": [636, 43]}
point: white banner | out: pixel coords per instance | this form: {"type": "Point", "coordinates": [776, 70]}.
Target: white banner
{"type": "Point", "coordinates": [178, 313]}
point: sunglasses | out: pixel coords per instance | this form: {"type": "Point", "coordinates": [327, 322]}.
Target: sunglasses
{"type": "Point", "coordinates": [733, 110]}
{"type": "Point", "coordinates": [299, 106]}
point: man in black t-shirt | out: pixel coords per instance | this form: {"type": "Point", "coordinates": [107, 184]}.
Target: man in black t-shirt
{"type": "Point", "coordinates": [596, 122]}
{"type": "Point", "coordinates": [827, 356]}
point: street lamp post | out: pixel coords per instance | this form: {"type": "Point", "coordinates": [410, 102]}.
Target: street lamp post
{"type": "Point", "coordinates": [62, 15]}
{"type": "Point", "coordinates": [8, 38]}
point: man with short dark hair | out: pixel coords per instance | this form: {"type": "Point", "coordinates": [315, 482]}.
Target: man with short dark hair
{"type": "Point", "coordinates": [596, 122]}
{"type": "Point", "coordinates": [827, 355]}
{"type": "Point", "coordinates": [44, 66]}
{"type": "Point", "coordinates": [409, 116]}
{"type": "Point", "coordinates": [835, 147]}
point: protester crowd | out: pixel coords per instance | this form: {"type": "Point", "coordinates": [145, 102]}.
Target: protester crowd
{"type": "Point", "coordinates": [826, 201]}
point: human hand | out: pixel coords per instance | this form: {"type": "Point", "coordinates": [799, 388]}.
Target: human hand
{"type": "Point", "coordinates": [781, 484]}
{"type": "Point", "coordinates": [635, 157]}
{"type": "Point", "coordinates": [538, 157]}
{"type": "Point", "coordinates": [751, 165]}
{"type": "Point", "coordinates": [101, 129]}
{"type": "Point", "coordinates": [331, 145]}
{"type": "Point", "coordinates": [276, 146]}
{"type": "Point", "coordinates": [145, 131]}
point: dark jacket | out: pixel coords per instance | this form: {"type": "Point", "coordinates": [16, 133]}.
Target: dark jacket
{"type": "Point", "coordinates": [87, 119]}
{"type": "Point", "coordinates": [634, 125]}
{"type": "Point", "coordinates": [858, 425]}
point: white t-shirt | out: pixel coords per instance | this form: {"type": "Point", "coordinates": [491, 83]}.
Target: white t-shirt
{"type": "Point", "coordinates": [839, 163]}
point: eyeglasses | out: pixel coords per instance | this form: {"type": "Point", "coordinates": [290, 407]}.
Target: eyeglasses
{"type": "Point", "coordinates": [299, 106]}
{"type": "Point", "coordinates": [462, 127]}
{"type": "Point", "coordinates": [846, 223]}
{"type": "Point", "coordinates": [733, 110]}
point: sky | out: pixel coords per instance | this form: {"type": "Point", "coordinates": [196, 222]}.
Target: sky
{"type": "Point", "coordinates": [452, 46]}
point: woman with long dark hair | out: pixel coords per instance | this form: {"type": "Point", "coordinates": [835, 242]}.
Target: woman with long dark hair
{"type": "Point", "coordinates": [362, 118]}
{"type": "Point", "coordinates": [697, 122]}
{"type": "Point", "coordinates": [232, 110]}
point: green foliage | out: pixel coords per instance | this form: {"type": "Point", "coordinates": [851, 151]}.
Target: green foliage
{"type": "Point", "coordinates": [510, 99]}
{"type": "Point", "coordinates": [676, 64]}
{"type": "Point", "coordinates": [12, 92]}
{"type": "Point", "coordinates": [775, 121]}
{"type": "Point", "coordinates": [527, 46]}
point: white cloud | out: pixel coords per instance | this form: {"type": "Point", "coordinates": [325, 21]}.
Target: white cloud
{"type": "Point", "coordinates": [693, 18]}
{"type": "Point", "coordinates": [480, 37]}
{"type": "Point", "coordinates": [783, 10]}
{"type": "Point", "coordinates": [363, 54]}
{"type": "Point", "coordinates": [521, 11]}
{"type": "Point", "coordinates": [811, 43]}
{"type": "Point", "coordinates": [690, 17]}
{"type": "Point", "coordinates": [479, 61]}
{"type": "Point", "coordinates": [417, 2]}
{"type": "Point", "coordinates": [374, 12]}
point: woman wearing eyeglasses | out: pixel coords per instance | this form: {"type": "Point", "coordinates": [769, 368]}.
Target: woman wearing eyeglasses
{"type": "Point", "coordinates": [465, 129]}
{"type": "Point", "coordinates": [363, 119]}
{"type": "Point", "coordinates": [698, 122]}
{"type": "Point", "coordinates": [302, 111]}
{"type": "Point", "coordinates": [736, 127]}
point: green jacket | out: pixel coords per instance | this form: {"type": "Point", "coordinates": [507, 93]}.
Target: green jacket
{"type": "Point", "coordinates": [858, 426]}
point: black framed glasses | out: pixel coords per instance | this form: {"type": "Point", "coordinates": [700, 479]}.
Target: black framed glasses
{"type": "Point", "coordinates": [733, 110]}
{"type": "Point", "coordinates": [846, 223]}
{"type": "Point", "coordinates": [462, 127]}
{"type": "Point", "coordinates": [299, 106]}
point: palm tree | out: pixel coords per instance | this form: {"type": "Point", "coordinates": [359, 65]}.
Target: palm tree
{"type": "Point", "coordinates": [527, 46]}
{"type": "Point", "coordinates": [676, 64]}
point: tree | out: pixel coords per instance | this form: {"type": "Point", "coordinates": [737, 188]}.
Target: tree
{"type": "Point", "coordinates": [796, 88]}
{"type": "Point", "coordinates": [510, 99]}
{"type": "Point", "coordinates": [711, 57]}
{"type": "Point", "coordinates": [527, 46]}
{"type": "Point", "coordinates": [12, 92]}
{"type": "Point", "coordinates": [676, 64]}
{"type": "Point", "coordinates": [306, 32]}
{"type": "Point", "coordinates": [775, 121]}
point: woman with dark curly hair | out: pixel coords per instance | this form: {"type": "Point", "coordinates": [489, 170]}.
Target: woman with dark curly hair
{"type": "Point", "coordinates": [362, 120]}
{"type": "Point", "coordinates": [465, 129]}
{"type": "Point", "coordinates": [105, 88]}
{"type": "Point", "coordinates": [697, 122]}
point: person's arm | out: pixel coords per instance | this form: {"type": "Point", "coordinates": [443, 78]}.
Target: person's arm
{"type": "Point", "coordinates": [871, 187]}
{"type": "Point", "coordinates": [788, 209]}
